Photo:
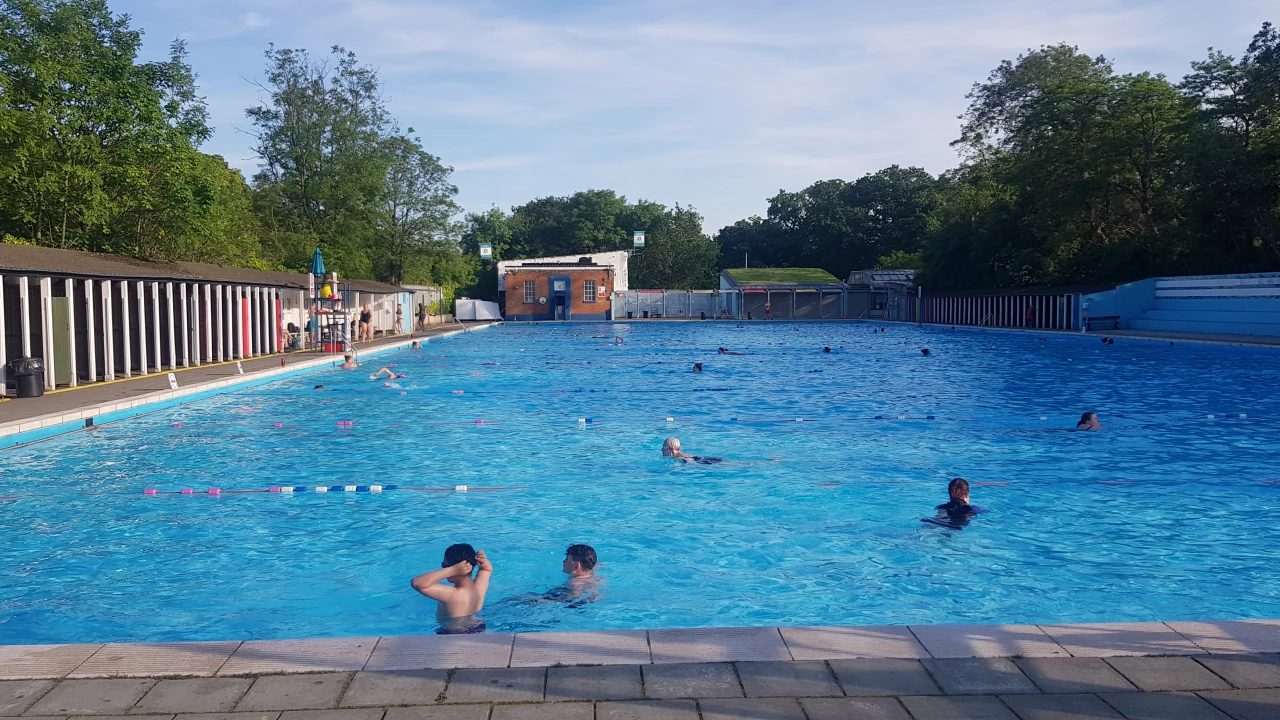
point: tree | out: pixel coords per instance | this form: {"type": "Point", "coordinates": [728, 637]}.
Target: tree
{"type": "Point", "coordinates": [90, 140]}
{"type": "Point", "coordinates": [414, 217]}
{"type": "Point", "coordinates": [676, 255]}
{"type": "Point", "coordinates": [324, 166]}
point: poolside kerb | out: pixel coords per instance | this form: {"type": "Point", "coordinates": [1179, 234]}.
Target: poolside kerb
{"type": "Point", "coordinates": [137, 396]}
{"type": "Point", "coordinates": [1200, 670]}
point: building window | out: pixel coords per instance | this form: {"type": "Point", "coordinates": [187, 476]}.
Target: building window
{"type": "Point", "coordinates": [589, 291]}
{"type": "Point", "coordinates": [530, 293]}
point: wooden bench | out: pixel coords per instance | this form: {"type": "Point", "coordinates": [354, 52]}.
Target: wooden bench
{"type": "Point", "coordinates": [1114, 321]}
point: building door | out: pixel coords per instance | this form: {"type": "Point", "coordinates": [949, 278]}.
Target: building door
{"type": "Point", "coordinates": [561, 302]}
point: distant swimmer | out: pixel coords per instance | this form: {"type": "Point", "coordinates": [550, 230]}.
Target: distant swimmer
{"type": "Point", "coordinates": [319, 387]}
{"type": "Point", "coordinates": [956, 512]}
{"type": "Point", "coordinates": [617, 340]}
{"type": "Point", "coordinates": [727, 351]}
{"type": "Point", "coordinates": [458, 604]}
{"type": "Point", "coordinates": [391, 374]}
{"type": "Point", "coordinates": [826, 349]}
{"type": "Point", "coordinates": [1089, 421]}
{"type": "Point", "coordinates": [925, 352]}
{"type": "Point", "coordinates": [415, 345]}
{"type": "Point", "coordinates": [671, 449]}
{"type": "Point", "coordinates": [349, 362]}
{"type": "Point", "coordinates": [697, 367]}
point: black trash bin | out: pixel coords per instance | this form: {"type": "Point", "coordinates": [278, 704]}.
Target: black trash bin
{"type": "Point", "coordinates": [27, 376]}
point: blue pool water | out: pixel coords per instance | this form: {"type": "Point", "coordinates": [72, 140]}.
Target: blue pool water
{"type": "Point", "coordinates": [1163, 515]}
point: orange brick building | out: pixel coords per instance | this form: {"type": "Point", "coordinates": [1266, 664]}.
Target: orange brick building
{"type": "Point", "coordinates": [559, 291]}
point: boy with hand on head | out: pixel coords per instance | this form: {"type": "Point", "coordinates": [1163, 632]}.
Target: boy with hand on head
{"type": "Point", "coordinates": [464, 596]}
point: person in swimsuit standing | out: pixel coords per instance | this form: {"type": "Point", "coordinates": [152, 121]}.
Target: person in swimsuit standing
{"type": "Point", "coordinates": [671, 449]}
{"type": "Point", "coordinates": [366, 323]}
{"type": "Point", "coordinates": [463, 597]}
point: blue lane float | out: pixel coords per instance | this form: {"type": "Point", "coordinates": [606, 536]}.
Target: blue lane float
{"type": "Point", "coordinates": [297, 489]}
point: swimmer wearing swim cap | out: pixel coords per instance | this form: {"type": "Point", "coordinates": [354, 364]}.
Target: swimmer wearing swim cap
{"type": "Point", "coordinates": [460, 600]}
{"type": "Point", "coordinates": [387, 371]}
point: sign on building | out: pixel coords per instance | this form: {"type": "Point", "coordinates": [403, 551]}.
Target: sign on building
{"type": "Point", "coordinates": [637, 238]}
{"type": "Point", "coordinates": [486, 250]}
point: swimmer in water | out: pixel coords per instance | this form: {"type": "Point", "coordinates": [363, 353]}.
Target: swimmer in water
{"type": "Point", "coordinates": [671, 449]}
{"type": "Point", "coordinates": [349, 362]}
{"type": "Point", "coordinates": [956, 512]}
{"type": "Point", "coordinates": [415, 345]}
{"type": "Point", "coordinates": [617, 340]}
{"type": "Point", "coordinates": [697, 367]}
{"type": "Point", "coordinates": [925, 352]}
{"type": "Point", "coordinates": [319, 387]}
{"type": "Point", "coordinates": [1089, 421]}
{"type": "Point", "coordinates": [386, 371]}
{"type": "Point", "coordinates": [727, 351]}
{"type": "Point", "coordinates": [464, 596]}
{"type": "Point", "coordinates": [826, 349]}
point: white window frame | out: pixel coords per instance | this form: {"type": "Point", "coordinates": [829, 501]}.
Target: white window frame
{"type": "Point", "coordinates": [530, 292]}
{"type": "Point", "coordinates": [588, 291]}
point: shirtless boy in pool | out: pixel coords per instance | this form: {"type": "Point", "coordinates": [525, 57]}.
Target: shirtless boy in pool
{"type": "Point", "coordinates": [464, 596]}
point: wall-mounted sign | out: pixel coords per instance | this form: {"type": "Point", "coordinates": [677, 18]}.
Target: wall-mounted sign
{"type": "Point", "coordinates": [600, 291]}
{"type": "Point", "coordinates": [542, 301]}
{"type": "Point", "coordinates": [486, 250]}
{"type": "Point", "coordinates": [637, 238]}
{"type": "Point", "coordinates": [559, 286]}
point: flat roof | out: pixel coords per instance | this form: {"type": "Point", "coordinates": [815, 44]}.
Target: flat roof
{"type": "Point", "coordinates": [33, 260]}
{"type": "Point", "coordinates": [781, 276]}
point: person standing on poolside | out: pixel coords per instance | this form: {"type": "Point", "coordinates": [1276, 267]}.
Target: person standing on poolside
{"type": "Point", "coordinates": [1089, 421]}
{"type": "Point", "coordinates": [460, 600]}
{"type": "Point", "coordinates": [366, 323]}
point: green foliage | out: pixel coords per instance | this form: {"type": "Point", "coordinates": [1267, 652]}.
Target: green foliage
{"type": "Point", "coordinates": [901, 260]}
{"type": "Point", "coordinates": [836, 225]}
{"type": "Point", "coordinates": [677, 255]}
{"type": "Point", "coordinates": [781, 275]}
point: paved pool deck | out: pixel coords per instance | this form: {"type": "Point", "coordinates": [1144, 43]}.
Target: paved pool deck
{"type": "Point", "coordinates": [1139, 671]}
{"type": "Point", "coordinates": [68, 408]}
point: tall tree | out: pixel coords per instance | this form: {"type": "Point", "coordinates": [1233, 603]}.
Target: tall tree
{"type": "Point", "coordinates": [676, 255]}
{"type": "Point", "coordinates": [414, 218]}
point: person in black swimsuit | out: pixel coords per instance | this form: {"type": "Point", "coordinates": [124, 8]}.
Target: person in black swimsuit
{"type": "Point", "coordinates": [366, 323]}
{"type": "Point", "coordinates": [956, 512]}
{"type": "Point", "coordinates": [671, 449]}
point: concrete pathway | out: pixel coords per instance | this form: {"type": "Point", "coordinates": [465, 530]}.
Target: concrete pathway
{"type": "Point", "coordinates": [1139, 671]}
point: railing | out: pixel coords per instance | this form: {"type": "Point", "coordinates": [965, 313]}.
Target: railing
{"type": "Point", "coordinates": [1051, 311]}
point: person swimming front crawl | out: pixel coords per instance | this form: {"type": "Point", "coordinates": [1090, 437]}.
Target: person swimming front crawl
{"type": "Point", "coordinates": [671, 449]}
{"type": "Point", "coordinates": [458, 604]}
{"type": "Point", "coordinates": [1089, 421]}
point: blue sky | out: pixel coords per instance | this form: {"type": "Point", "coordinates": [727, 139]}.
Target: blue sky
{"type": "Point", "coordinates": [716, 104]}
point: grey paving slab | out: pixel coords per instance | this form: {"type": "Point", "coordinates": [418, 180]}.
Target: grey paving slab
{"type": "Point", "coordinates": [18, 695]}
{"type": "Point", "coordinates": [496, 685]}
{"type": "Point", "coordinates": [751, 709]}
{"type": "Point", "coordinates": [299, 656]}
{"type": "Point", "coordinates": [197, 695]}
{"type": "Point", "coordinates": [1163, 706]}
{"type": "Point", "coordinates": [197, 659]}
{"type": "Point", "coordinates": [365, 714]}
{"type": "Point", "coordinates": [807, 678]}
{"type": "Point", "coordinates": [439, 712]}
{"type": "Point", "coordinates": [91, 697]}
{"type": "Point", "coordinates": [964, 641]}
{"type": "Point", "coordinates": [400, 687]}
{"type": "Point", "coordinates": [229, 716]}
{"type": "Point", "coordinates": [980, 707]}
{"type": "Point", "coordinates": [691, 680]}
{"type": "Point", "coordinates": [580, 648]}
{"type": "Point", "coordinates": [415, 652]}
{"type": "Point", "coordinates": [647, 710]}
{"type": "Point", "coordinates": [717, 645]}
{"type": "Point", "coordinates": [120, 717]}
{"type": "Point", "coordinates": [1163, 674]}
{"type": "Point", "coordinates": [979, 676]}
{"type": "Point", "coordinates": [601, 682]}
{"type": "Point", "coordinates": [1232, 636]}
{"type": "Point", "coordinates": [554, 711]}
{"type": "Point", "coordinates": [1246, 704]}
{"type": "Point", "coordinates": [825, 643]}
{"type": "Point", "coordinates": [1118, 639]}
{"type": "Point", "coordinates": [1061, 707]}
{"type": "Point", "coordinates": [295, 692]}
{"type": "Point", "coordinates": [26, 662]}
{"type": "Point", "coordinates": [1247, 672]}
{"type": "Point", "coordinates": [1073, 675]}
{"type": "Point", "coordinates": [863, 708]}
{"type": "Point", "coordinates": [883, 677]}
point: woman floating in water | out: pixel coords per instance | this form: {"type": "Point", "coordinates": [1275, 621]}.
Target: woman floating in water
{"type": "Point", "coordinates": [671, 449]}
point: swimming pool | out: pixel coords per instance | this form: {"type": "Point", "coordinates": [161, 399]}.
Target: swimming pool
{"type": "Point", "coordinates": [1166, 514]}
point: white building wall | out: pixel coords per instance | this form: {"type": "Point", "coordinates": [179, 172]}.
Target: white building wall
{"type": "Point", "coordinates": [617, 260]}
